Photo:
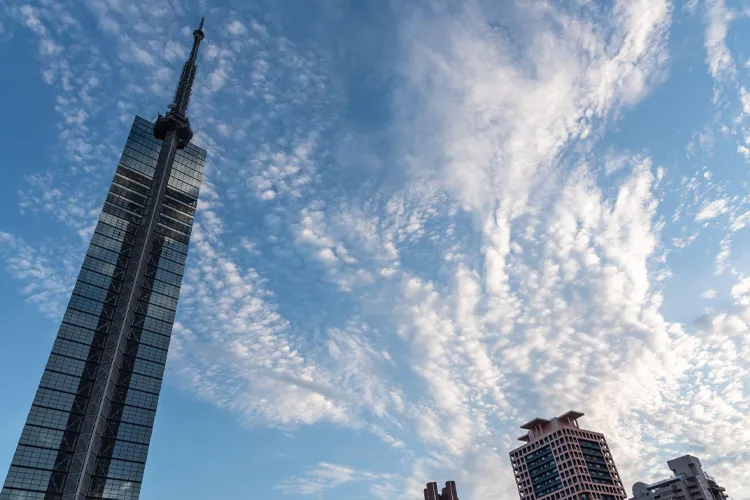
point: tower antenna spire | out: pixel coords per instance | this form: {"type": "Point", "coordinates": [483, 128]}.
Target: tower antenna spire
{"type": "Point", "coordinates": [176, 117]}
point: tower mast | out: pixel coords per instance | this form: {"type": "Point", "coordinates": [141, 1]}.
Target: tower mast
{"type": "Point", "coordinates": [176, 118]}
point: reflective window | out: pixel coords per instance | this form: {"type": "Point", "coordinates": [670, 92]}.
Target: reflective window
{"type": "Point", "coordinates": [82, 319]}
{"type": "Point", "coordinates": [168, 277]}
{"type": "Point", "coordinates": [89, 291]}
{"type": "Point", "coordinates": [19, 477]}
{"type": "Point", "coordinates": [95, 278]}
{"type": "Point", "coordinates": [44, 438]}
{"type": "Point", "coordinates": [157, 299]}
{"type": "Point", "coordinates": [71, 349]}
{"type": "Point", "coordinates": [144, 383]}
{"type": "Point", "coordinates": [126, 192]}
{"type": "Point", "coordinates": [103, 254]}
{"type": "Point", "coordinates": [68, 366]}
{"type": "Point", "coordinates": [135, 433]}
{"type": "Point", "coordinates": [139, 416]}
{"type": "Point", "coordinates": [119, 469]}
{"type": "Point", "coordinates": [147, 367]}
{"type": "Point", "coordinates": [60, 382]}
{"type": "Point", "coordinates": [114, 489]}
{"type": "Point", "coordinates": [86, 305]}
{"type": "Point", "coordinates": [8, 494]}
{"type": "Point", "coordinates": [54, 399]}
{"type": "Point", "coordinates": [98, 266]}
{"type": "Point", "coordinates": [48, 417]}
{"type": "Point", "coordinates": [154, 325]}
{"type": "Point", "coordinates": [141, 399]}
{"type": "Point", "coordinates": [154, 339]}
{"type": "Point", "coordinates": [76, 333]}
{"type": "Point", "coordinates": [126, 215]}
{"type": "Point", "coordinates": [130, 451]}
{"type": "Point", "coordinates": [40, 458]}
{"type": "Point", "coordinates": [116, 223]}
{"type": "Point", "coordinates": [161, 313]}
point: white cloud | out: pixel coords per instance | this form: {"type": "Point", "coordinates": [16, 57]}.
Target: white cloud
{"type": "Point", "coordinates": [711, 210]}
{"type": "Point", "coordinates": [685, 242]}
{"type": "Point", "coordinates": [722, 258]}
{"type": "Point", "coordinates": [47, 284]}
{"type": "Point", "coordinates": [718, 57]}
{"type": "Point", "coordinates": [488, 107]}
{"type": "Point", "coordinates": [740, 221]}
{"type": "Point", "coordinates": [236, 28]}
{"type": "Point", "coordinates": [326, 476]}
{"type": "Point", "coordinates": [745, 100]}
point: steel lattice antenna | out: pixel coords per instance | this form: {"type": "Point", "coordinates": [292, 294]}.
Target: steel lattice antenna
{"type": "Point", "coordinates": [176, 117]}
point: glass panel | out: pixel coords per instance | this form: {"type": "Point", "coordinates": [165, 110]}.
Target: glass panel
{"type": "Point", "coordinates": [54, 399]}
{"type": "Point", "coordinates": [33, 479]}
{"type": "Point", "coordinates": [39, 458]}
{"type": "Point", "coordinates": [118, 469]}
{"type": "Point", "coordinates": [38, 436]}
{"type": "Point", "coordinates": [139, 416]}
{"type": "Point", "coordinates": [47, 417]}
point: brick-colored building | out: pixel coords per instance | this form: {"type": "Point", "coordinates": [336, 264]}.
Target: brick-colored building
{"type": "Point", "coordinates": [561, 461]}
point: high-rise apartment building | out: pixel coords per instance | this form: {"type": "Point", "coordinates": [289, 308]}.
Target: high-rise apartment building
{"type": "Point", "coordinates": [689, 482]}
{"type": "Point", "coordinates": [561, 461]}
{"type": "Point", "coordinates": [448, 493]}
{"type": "Point", "coordinates": [88, 431]}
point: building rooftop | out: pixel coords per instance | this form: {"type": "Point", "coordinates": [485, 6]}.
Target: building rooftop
{"type": "Point", "coordinates": [571, 415]}
{"type": "Point", "coordinates": [540, 426]}
{"type": "Point", "coordinates": [534, 423]}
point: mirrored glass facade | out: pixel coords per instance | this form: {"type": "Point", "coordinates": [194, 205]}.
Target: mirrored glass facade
{"type": "Point", "coordinates": [88, 431]}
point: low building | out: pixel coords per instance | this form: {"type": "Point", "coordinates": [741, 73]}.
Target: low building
{"type": "Point", "coordinates": [689, 482]}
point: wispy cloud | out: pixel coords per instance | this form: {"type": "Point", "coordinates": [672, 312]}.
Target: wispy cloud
{"type": "Point", "coordinates": [719, 59]}
{"type": "Point", "coordinates": [326, 476]}
{"type": "Point", "coordinates": [711, 210]}
{"type": "Point", "coordinates": [48, 277]}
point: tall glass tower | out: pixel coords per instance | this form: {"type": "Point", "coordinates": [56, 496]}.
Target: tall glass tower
{"type": "Point", "coordinates": [88, 431]}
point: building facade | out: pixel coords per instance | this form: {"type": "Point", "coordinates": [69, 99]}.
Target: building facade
{"type": "Point", "coordinates": [561, 461]}
{"type": "Point", "coordinates": [448, 493]}
{"type": "Point", "coordinates": [689, 482]}
{"type": "Point", "coordinates": [88, 431]}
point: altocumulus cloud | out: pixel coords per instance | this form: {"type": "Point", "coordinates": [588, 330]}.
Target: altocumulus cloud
{"type": "Point", "coordinates": [497, 260]}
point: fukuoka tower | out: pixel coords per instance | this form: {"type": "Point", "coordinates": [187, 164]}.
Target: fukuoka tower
{"type": "Point", "coordinates": [88, 431]}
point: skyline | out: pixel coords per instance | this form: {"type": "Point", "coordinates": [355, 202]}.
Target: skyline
{"type": "Point", "coordinates": [419, 226]}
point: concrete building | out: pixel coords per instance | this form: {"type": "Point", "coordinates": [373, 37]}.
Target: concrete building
{"type": "Point", "coordinates": [689, 482]}
{"type": "Point", "coordinates": [448, 493]}
{"type": "Point", "coordinates": [561, 461]}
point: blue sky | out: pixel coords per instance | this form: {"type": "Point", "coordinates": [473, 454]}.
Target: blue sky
{"type": "Point", "coordinates": [422, 224]}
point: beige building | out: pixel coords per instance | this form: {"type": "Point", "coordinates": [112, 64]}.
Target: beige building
{"type": "Point", "coordinates": [561, 461]}
{"type": "Point", "coordinates": [689, 482]}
